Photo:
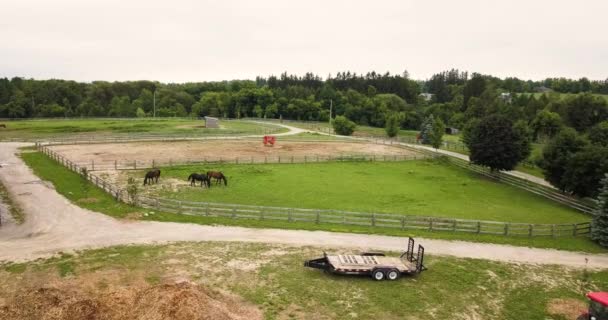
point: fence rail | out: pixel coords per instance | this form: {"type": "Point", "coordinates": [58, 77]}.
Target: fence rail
{"type": "Point", "coordinates": [317, 216]}
{"type": "Point", "coordinates": [105, 165]}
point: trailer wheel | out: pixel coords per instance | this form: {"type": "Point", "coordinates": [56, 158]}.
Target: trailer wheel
{"type": "Point", "coordinates": [392, 274]}
{"type": "Point", "coordinates": [378, 275]}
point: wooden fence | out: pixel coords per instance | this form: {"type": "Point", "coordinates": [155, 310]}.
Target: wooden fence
{"type": "Point", "coordinates": [146, 164]}
{"type": "Point", "coordinates": [316, 216]}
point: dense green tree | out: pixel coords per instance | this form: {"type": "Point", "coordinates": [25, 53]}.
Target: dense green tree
{"type": "Point", "coordinates": [343, 126]}
{"type": "Point", "coordinates": [584, 170]}
{"type": "Point", "coordinates": [599, 225]}
{"type": "Point", "coordinates": [393, 124]}
{"type": "Point", "coordinates": [523, 136]}
{"type": "Point", "coordinates": [495, 143]}
{"type": "Point", "coordinates": [585, 110]}
{"type": "Point", "coordinates": [474, 87]}
{"type": "Point", "coordinates": [431, 131]}
{"type": "Point", "coordinates": [546, 124]}
{"type": "Point", "coordinates": [121, 107]}
{"type": "Point", "coordinates": [598, 134]}
{"type": "Point", "coordinates": [557, 154]}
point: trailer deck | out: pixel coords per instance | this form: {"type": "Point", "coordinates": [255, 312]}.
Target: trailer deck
{"type": "Point", "coordinates": [377, 265]}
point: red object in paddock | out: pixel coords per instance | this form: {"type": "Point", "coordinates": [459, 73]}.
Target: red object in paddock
{"type": "Point", "coordinates": [269, 140]}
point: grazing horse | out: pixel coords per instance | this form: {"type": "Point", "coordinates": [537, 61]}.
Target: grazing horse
{"type": "Point", "coordinates": [218, 176]}
{"type": "Point", "coordinates": [199, 177]}
{"type": "Point", "coordinates": [152, 176]}
{"type": "Point", "coordinates": [2, 125]}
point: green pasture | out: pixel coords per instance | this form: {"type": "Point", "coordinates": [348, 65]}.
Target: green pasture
{"type": "Point", "coordinates": [276, 282]}
{"type": "Point", "coordinates": [425, 187]}
{"type": "Point", "coordinates": [44, 128]}
{"type": "Point", "coordinates": [81, 192]}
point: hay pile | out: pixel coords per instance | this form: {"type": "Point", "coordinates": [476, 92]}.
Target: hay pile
{"type": "Point", "coordinates": [166, 301]}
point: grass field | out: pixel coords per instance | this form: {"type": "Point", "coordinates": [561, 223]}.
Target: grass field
{"type": "Point", "coordinates": [426, 187]}
{"type": "Point", "coordinates": [273, 280]}
{"type": "Point", "coordinates": [70, 185]}
{"type": "Point", "coordinates": [31, 129]}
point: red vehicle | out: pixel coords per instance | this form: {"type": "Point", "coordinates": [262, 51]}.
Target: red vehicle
{"type": "Point", "coordinates": [598, 307]}
{"type": "Point", "coordinates": [269, 140]}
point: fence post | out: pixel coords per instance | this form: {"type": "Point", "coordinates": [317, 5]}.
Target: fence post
{"type": "Point", "coordinates": [115, 165]}
{"type": "Point", "coordinates": [530, 230]}
{"type": "Point", "coordinates": [431, 224]}
{"type": "Point", "coordinates": [289, 215]}
{"type": "Point", "coordinates": [92, 164]}
{"type": "Point", "coordinates": [454, 225]}
{"type": "Point", "coordinates": [506, 229]}
{"type": "Point", "coordinates": [153, 163]}
{"type": "Point", "coordinates": [553, 230]}
{"type": "Point", "coordinates": [179, 209]}
{"type": "Point", "coordinates": [233, 213]}
{"type": "Point", "coordinates": [261, 213]}
{"type": "Point", "coordinates": [402, 223]}
{"type": "Point", "coordinates": [373, 219]}
{"type": "Point", "coordinates": [574, 231]}
{"type": "Point", "coordinates": [207, 209]}
{"type": "Point", "coordinates": [135, 164]}
{"type": "Point", "coordinates": [318, 219]}
{"type": "Point", "coordinates": [478, 227]}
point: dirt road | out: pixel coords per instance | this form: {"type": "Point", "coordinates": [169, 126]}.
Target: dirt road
{"type": "Point", "coordinates": [53, 225]}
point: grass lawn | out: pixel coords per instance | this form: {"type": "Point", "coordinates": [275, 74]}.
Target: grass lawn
{"type": "Point", "coordinates": [32, 129]}
{"type": "Point", "coordinates": [272, 279]}
{"type": "Point", "coordinates": [70, 185]}
{"type": "Point", "coordinates": [426, 187]}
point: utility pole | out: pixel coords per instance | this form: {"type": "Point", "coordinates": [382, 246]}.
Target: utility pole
{"type": "Point", "coordinates": [331, 106]}
{"type": "Point", "coordinates": [154, 104]}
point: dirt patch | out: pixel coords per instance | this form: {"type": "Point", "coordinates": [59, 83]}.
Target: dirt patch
{"type": "Point", "coordinates": [166, 301]}
{"type": "Point", "coordinates": [105, 155]}
{"type": "Point", "coordinates": [567, 308]}
{"type": "Point", "coordinates": [134, 215]}
{"type": "Point", "coordinates": [87, 200]}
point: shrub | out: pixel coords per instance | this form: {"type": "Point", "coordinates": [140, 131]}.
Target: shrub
{"type": "Point", "coordinates": [343, 126]}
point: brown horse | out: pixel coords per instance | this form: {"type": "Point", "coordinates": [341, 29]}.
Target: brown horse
{"type": "Point", "coordinates": [152, 176]}
{"type": "Point", "coordinates": [218, 176]}
{"type": "Point", "coordinates": [2, 125]}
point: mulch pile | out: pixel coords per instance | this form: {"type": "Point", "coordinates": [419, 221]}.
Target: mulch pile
{"type": "Point", "coordinates": [166, 301]}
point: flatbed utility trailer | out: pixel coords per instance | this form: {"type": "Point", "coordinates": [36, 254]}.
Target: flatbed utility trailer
{"type": "Point", "coordinates": [374, 264]}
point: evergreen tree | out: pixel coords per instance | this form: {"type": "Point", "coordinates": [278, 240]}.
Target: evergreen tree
{"type": "Point", "coordinates": [599, 225]}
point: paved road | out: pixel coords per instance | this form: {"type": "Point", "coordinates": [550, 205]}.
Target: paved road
{"type": "Point", "coordinates": [53, 224]}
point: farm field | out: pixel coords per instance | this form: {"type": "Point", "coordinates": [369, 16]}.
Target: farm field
{"type": "Point", "coordinates": [84, 194]}
{"type": "Point", "coordinates": [258, 281]}
{"type": "Point", "coordinates": [35, 129]}
{"type": "Point", "coordinates": [363, 131]}
{"type": "Point", "coordinates": [424, 187]}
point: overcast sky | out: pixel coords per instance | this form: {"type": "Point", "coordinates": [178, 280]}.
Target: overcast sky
{"type": "Point", "coordinates": [198, 40]}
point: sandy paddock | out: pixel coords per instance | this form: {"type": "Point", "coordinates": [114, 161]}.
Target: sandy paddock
{"type": "Point", "coordinates": [187, 150]}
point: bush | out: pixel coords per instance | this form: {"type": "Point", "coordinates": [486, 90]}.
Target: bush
{"type": "Point", "coordinates": [343, 126]}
